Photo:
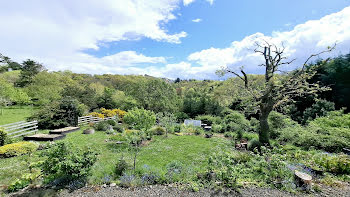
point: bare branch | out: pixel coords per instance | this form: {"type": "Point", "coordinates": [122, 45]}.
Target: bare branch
{"type": "Point", "coordinates": [329, 49]}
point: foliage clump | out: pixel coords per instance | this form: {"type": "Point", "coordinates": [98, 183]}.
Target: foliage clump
{"type": "Point", "coordinates": [235, 121]}
{"type": "Point", "coordinates": [67, 163]}
{"type": "Point", "coordinates": [3, 136]}
{"type": "Point", "coordinates": [157, 130]}
{"type": "Point", "coordinates": [120, 167]}
{"type": "Point", "coordinates": [329, 133]}
{"type": "Point", "coordinates": [58, 114]}
{"type": "Point", "coordinates": [19, 148]}
{"type": "Point", "coordinates": [140, 119]}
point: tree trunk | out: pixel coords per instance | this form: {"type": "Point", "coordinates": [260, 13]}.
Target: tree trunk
{"type": "Point", "coordinates": [264, 133]}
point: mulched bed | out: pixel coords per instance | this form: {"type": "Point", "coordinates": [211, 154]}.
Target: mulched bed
{"type": "Point", "coordinates": [166, 191]}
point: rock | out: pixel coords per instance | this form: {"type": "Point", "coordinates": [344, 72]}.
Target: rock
{"type": "Point", "coordinates": [113, 184]}
{"type": "Point", "coordinates": [303, 180]}
{"type": "Point", "coordinates": [104, 185]}
{"type": "Point", "coordinates": [89, 131]}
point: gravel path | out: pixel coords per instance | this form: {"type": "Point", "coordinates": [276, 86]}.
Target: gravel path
{"type": "Point", "coordinates": [166, 191]}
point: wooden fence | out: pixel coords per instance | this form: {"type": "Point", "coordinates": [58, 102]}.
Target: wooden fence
{"type": "Point", "coordinates": [21, 128]}
{"type": "Point", "coordinates": [91, 119]}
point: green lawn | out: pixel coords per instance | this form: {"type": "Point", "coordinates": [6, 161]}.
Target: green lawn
{"type": "Point", "coordinates": [192, 151]}
{"type": "Point", "coordinates": [15, 113]}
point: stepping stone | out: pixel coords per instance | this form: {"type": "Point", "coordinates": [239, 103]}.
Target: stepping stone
{"type": "Point", "coordinates": [64, 130]}
{"type": "Point", "coordinates": [44, 137]}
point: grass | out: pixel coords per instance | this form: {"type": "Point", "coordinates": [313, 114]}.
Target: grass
{"type": "Point", "coordinates": [15, 113]}
{"type": "Point", "coordinates": [192, 151]}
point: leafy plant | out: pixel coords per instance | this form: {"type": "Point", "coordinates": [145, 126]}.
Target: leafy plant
{"type": "Point", "coordinates": [67, 162]}
{"type": "Point", "coordinates": [319, 109]}
{"type": "Point", "coordinates": [3, 136]}
{"type": "Point", "coordinates": [217, 128]}
{"type": "Point", "coordinates": [140, 119]}
{"type": "Point", "coordinates": [157, 130]}
{"type": "Point", "coordinates": [58, 114]}
{"type": "Point", "coordinates": [236, 121]}
{"type": "Point", "coordinates": [23, 182]}
{"type": "Point", "coordinates": [121, 167]}
{"type": "Point", "coordinates": [111, 122]}
{"type": "Point", "coordinates": [101, 126]}
{"type": "Point", "coordinates": [254, 143]}
{"type": "Point", "coordinates": [278, 121]}
{"type": "Point", "coordinates": [119, 128]}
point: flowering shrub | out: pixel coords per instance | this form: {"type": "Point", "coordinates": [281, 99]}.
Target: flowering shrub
{"type": "Point", "coordinates": [108, 113]}
{"type": "Point", "coordinates": [120, 113]}
{"type": "Point", "coordinates": [16, 149]}
{"type": "Point", "coordinates": [95, 114]}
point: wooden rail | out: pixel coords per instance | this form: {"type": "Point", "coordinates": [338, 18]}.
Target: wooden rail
{"type": "Point", "coordinates": [21, 128]}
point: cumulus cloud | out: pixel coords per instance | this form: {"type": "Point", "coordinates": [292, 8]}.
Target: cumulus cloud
{"type": "Point", "coordinates": [187, 2]}
{"type": "Point", "coordinates": [305, 39]}
{"type": "Point", "coordinates": [59, 30]}
{"type": "Point", "coordinates": [197, 20]}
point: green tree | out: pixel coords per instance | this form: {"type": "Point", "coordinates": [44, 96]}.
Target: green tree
{"type": "Point", "coordinates": [29, 69]}
{"type": "Point", "coordinates": [10, 94]}
{"type": "Point", "coordinates": [166, 120]}
{"type": "Point", "coordinates": [277, 90]}
{"type": "Point", "coordinates": [140, 119]}
{"type": "Point", "coordinates": [58, 114]}
{"type": "Point", "coordinates": [156, 95]}
{"type": "Point", "coordinates": [106, 99]}
{"type": "Point", "coordinates": [47, 87]}
{"type": "Point", "coordinates": [124, 102]}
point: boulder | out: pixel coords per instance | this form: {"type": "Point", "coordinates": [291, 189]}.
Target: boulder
{"type": "Point", "coordinates": [89, 131]}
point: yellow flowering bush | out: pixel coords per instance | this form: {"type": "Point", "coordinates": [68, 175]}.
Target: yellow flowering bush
{"type": "Point", "coordinates": [16, 149]}
{"type": "Point", "coordinates": [95, 114]}
{"type": "Point", "coordinates": [108, 113]}
{"type": "Point", "coordinates": [120, 113]}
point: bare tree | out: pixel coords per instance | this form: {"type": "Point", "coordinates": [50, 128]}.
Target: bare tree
{"type": "Point", "coordinates": [277, 89]}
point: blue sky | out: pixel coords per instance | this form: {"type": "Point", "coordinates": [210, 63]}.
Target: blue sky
{"type": "Point", "coordinates": [159, 37]}
{"type": "Point", "coordinates": [224, 22]}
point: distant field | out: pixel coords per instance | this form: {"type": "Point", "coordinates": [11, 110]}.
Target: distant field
{"type": "Point", "coordinates": [15, 113]}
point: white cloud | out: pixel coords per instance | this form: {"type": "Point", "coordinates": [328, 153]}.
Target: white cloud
{"type": "Point", "coordinates": [304, 40]}
{"type": "Point", "coordinates": [56, 32]}
{"type": "Point", "coordinates": [187, 2]}
{"type": "Point", "coordinates": [59, 30]}
{"type": "Point", "coordinates": [197, 20]}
